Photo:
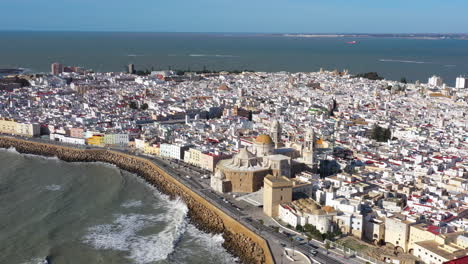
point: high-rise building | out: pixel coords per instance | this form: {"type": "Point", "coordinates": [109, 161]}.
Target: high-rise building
{"type": "Point", "coordinates": [56, 68]}
{"type": "Point", "coordinates": [462, 82]}
{"type": "Point", "coordinates": [131, 68]}
{"type": "Point", "coordinates": [435, 81]}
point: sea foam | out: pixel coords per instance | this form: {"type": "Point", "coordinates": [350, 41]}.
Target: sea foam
{"type": "Point", "coordinates": [124, 234]}
{"type": "Point", "coordinates": [132, 203]}
{"type": "Point", "coordinates": [53, 187]}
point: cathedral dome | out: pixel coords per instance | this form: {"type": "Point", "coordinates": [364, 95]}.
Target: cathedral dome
{"type": "Point", "coordinates": [264, 139]}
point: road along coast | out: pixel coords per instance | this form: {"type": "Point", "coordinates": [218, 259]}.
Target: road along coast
{"type": "Point", "coordinates": [238, 239]}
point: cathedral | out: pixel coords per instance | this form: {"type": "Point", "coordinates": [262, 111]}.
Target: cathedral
{"type": "Point", "coordinates": [244, 173]}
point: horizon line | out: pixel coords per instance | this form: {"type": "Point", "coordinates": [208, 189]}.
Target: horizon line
{"type": "Point", "coordinates": [236, 32]}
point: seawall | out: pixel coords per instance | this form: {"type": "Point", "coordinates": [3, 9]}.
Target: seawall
{"type": "Point", "coordinates": [239, 240]}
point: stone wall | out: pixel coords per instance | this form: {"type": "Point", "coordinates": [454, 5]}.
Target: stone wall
{"type": "Point", "coordinates": [239, 240]}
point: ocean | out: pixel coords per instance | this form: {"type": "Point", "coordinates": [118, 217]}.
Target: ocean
{"type": "Point", "coordinates": [393, 58]}
{"type": "Point", "coordinates": [93, 213]}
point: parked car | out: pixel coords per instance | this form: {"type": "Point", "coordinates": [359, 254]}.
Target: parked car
{"type": "Point", "coordinates": [313, 252]}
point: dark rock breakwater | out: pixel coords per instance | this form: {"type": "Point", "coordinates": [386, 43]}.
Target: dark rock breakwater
{"type": "Point", "coordinates": [239, 240]}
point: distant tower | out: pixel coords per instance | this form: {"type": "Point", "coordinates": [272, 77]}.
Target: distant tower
{"type": "Point", "coordinates": [56, 68]}
{"type": "Point", "coordinates": [131, 68]}
{"type": "Point", "coordinates": [275, 133]}
{"type": "Point", "coordinates": [310, 139]}
{"type": "Point", "coordinates": [240, 92]}
{"type": "Point", "coordinates": [309, 148]}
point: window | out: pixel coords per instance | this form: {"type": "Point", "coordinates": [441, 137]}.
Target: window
{"type": "Point", "coordinates": [281, 197]}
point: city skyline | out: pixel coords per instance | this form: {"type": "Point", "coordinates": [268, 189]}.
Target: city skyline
{"type": "Point", "coordinates": [260, 17]}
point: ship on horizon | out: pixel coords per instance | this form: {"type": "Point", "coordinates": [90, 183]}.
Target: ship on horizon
{"type": "Point", "coordinates": [351, 42]}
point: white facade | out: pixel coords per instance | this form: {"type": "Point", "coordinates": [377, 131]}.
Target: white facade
{"type": "Point", "coordinates": [116, 139]}
{"type": "Point", "coordinates": [173, 151]}
{"type": "Point", "coordinates": [287, 215]}
{"type": "Point", "coordinates": [68, 140]}
{"type": "Point", "coordinates": [461, 82]}
{"type": "Point", "coordinates": [435, 81]}
{"type": "Point", "coordinates": [427, 256]}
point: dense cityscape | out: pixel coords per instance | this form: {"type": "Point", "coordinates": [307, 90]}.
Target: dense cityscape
{"type": "Point", "coordinates": [374, 167]}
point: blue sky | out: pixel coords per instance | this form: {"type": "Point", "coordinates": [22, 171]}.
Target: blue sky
{"type": "Point", "coordinates": [313, 16]}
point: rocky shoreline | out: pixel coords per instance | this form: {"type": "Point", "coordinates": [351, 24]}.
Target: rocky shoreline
{"type": "Point", "coordinates": [239, 240]}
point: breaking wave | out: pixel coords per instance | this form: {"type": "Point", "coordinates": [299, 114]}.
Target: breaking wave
{"type": "Point", "coordinates": [124, 233]}
{"type": "Point", "coordinates": [212, 242]}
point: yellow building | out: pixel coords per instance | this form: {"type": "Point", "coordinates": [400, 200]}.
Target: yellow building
{"type": "Point", "coordinates": [276, 190]}
{"type": "Point", "coordinates": [193, 156]}
{"type": "Point", "coordinates": [22, 129]}
{"type": "Point", "coordinates": [152, 150]}
{"type": "Point", "coordinates": [96, 140]}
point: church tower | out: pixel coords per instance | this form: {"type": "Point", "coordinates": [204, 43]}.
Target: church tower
{"type": "Point", "coordinates": [275, 133]}
{"type": "Point", "coordinates": [309, 145]}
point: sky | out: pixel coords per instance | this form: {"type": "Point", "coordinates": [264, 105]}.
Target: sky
{"type": "Point", "coordinates": [259, 16]}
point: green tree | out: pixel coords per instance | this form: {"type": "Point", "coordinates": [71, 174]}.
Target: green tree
{"type": "Point", "coordinates": [299, 228]}
{"type": "Point", "coordinates": [261, 221]}
{"type": "Point", "coordinates": [403, 80]}
{"type": "Point", "coordinates": [133, 105]}
{"type": "Point", "coordinates": [380, 134]}
{"type": "Point", "coordinates": [144, 106]}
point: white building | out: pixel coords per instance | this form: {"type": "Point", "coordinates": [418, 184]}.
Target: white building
{"type": "Point", "coordinates": [461, 82]}
{"type": "Point", "coordinates": [174, 151]}
{"type": "Point", "coordinates": [68, 140]}
{"type": "Point", "coordinates": [116, 139]}
{"type": "Point", "coordinates": [435, 81]}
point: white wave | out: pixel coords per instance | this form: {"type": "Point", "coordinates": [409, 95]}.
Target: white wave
{"type": "Point", "coordinates": [213, 243]}
{"type": "Point", "coordinates": [135, 55]}
{"type": "Point", "coordinates": [123, 234]}
{"type": "Point", "coordinates": [10, 150]}
{"type": "Point", "coordinates": [213, 55]}
{"type": "Point", "coordinates": [403, 61]}
{"type": "Point", "coordinates": [450, 65]}
{"type": "Point", "coordinates": [36, 261]}
{"type": "Point", "coordinates": [53, 187]}
{"type": "Point", "coordinates": [132, 203]}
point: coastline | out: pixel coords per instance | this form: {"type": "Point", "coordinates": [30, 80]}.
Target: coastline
{"type": "Point", "coordinates": [239, 239]}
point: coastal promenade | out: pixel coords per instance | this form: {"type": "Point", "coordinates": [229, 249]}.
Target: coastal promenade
{"type": "Point", "coordinates": [274, 241]}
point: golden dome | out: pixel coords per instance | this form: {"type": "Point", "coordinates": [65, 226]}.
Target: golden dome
{"type": "Point", "coordinates": [319, 141]}
{"type": "Point", "coordinates": [328, 209]}
{"type": "Point", "coordinates": [264, 139]}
